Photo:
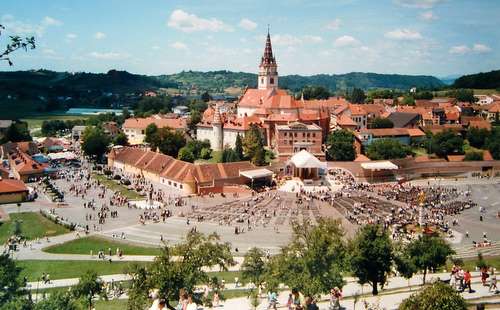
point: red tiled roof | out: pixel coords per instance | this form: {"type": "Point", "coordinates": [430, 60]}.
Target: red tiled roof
{"type": "Point", "coordinates": [142, 123]}
{"type": "Point", "coordinates": [345, 120]}
{"type": "Point", "coordinates": [480, 124]}
{"type": "Point", "coordinates": [487, 155]}
{"type": "Point", "coordinates": [456, 157]}
{"type": "Point", "coordinates": [415, 132]}
{"type": "Point", "coordinates": [12, 186]}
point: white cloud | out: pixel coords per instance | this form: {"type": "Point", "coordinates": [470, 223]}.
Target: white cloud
{"type": "Point", "coordinates": [49, 21]}
{"type": "Point", "coordinates": [403, 34]}
{"type": "Point", "coordinates": [428, 15]}
{"type": "Point", "coordinates": [459, 49]}
{"type": "Point", "coordinates": [48, 51]}
{"type": "Point", "coordinates": [17, 27]}
{"type": "Point", "coordinates": [179, 46]}
{"type": "Point", "coordinates": [345, 41]}
{"type": "Point", "coordinates": [285, 40]}
{"type": "Point", "coordinates": [419, 4]}
{"type": "Point", "coordinates": [313, 39]}
{"type": "Point", "coordinates": [247, 24]}
{"type": "Point", "coordinates": [464, 49]}
{"type": "Point", "coordinates": [481, 48]}
{"type": "Point", "coordinates": [334, 24]}
{"type": "Point", "coordinates": [99, 35]}
{"type": "Point", "coordinates": [70, 37]}
{"type": "Point", "coordinates": [108, 55]}
{"type": "Point", "coordinates": [155, 47]}
{"type": "Point", "coordinates": [187, 22]}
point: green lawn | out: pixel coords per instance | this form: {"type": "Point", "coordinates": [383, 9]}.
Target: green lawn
{"type": "Point", "coordinates": [36, 121]}
{"type": "Point", "coordinates": [33, 225]}
{"type": "Point", "coordinates": [116, 304]}
{"type": "Point", "coordinates": [471, 263]}
{"type": "Point", "coordinates": [86, 244]}
{"type": "Point", "coordinates": [115, 186]}
{"type": "Point", "coordinates": [59, 269]}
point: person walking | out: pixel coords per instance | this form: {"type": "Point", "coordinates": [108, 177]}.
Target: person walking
{"type": "Point", "coordinates": [467, 280]}
{"type": "Point", "coordinates": [493, 281]}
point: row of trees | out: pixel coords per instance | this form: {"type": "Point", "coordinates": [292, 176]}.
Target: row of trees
{"type": "Point", "coordinates": [13, 296]}
{"type": "Point", "coordinates": [316, 260]}
{"type": "Point", "coordinates": [16, 132]}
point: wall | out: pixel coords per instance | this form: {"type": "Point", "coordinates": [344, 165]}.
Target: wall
{"type": "Point", "coordinates": [13, 197]}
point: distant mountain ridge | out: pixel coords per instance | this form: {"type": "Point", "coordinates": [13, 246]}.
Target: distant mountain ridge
{"type": "Point", "coordinates": [65, 83]}
{"type": "Point", "coordinates": [482, 80]}
{"type": "Point", "coordinates": [223, 79]}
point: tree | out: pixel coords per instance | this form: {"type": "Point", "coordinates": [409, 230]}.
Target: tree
{"type": "Point", "coordinates": [253, 145]}
{"type": "Point", "coordinates": [447, 142]}
{"type": "Point", "coordinates": [315, 92]}
{"type": "Point", "coordinates": [428, 252]}
{"type": "Point", "coordinates": [205, 153]}
{"type": "Point", "coordinates": [238, 146]}
{"type": "Point", "coordinates": [194, 119]}
{"type": "Point", "coordinates": [493, 143]}
{"type": "Point", "coordinates": [152, 105]}
{"type": "Point", "coordinates": [436, 296]}
{"type": "Point", "coordinates": [408, 100]}
{"type": "Point", "coordinates": [314, 260]}
{"type": "Point", "coordinates": [16, 43]}
{"type": "Point", "coordinates": [387, 149]}
{"type": "Point", "coordinates": [340, 145]}
{"type": "Point", "coordinates": [405, 266]}
{"type": "Point", "coordinates": [10, 283]}
{"type": "Point", "coordinates": [166, 140]}
{"type": "Point", "coordinates": [357, 95]}
{"type": "Point", "coordinates": [371, 256]}
{"type": "Point", "coordinates": [150, 133]}
{"type": "Point", "coordinates": [88, 287]}
{"type": "Point", "coordinates": [169, 275]}
{"type": "Point", "coordinates": [253, 267]}
{"type": "Point", "coordinates": [477, 136]}
{"type": "Point", "coordinates": [380, 122]}
{"type": "Point", "coordinates": [95, 142]}
{"type": "Point", "coordinates": [58, 300]}
{"type": "Point", "coordinates": [474, 156]}
{"type": "Point", "coordinates": [121, 139]}
{"type": "Point", "coordinates": [185, 154]}
{"type": "Point", "coordinates": [229, 156]}
{"type": "Point", "coordinates": [16, 132]}
{"type": "Point", "coordinates": [206, 97]}
{"type": "Point", "coordinates": [463, 95]}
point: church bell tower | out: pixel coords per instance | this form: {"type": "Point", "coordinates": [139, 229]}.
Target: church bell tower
{"type": "Point", "coordinates": [268, 69]}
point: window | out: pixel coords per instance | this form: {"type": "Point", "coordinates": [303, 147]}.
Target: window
{"type": "Point", "coordinates": [284, 134]}
{"type": "Point", "coordinates": [308, 135]}
{"type": "Point", "coordinates": [180, 186]}
{"type": "Point", "coordinates": [314, 135]}
{"type": "Point", "coordinates": [271, 80]}
{"type": "Point", "coordinates": [142, 131]}
{"type": "Point", "coordinates": [303, 134]}
{"type": "Point", "coordinates": [261, 80]}
{"type": "Point", "coordinates": [295, 134]}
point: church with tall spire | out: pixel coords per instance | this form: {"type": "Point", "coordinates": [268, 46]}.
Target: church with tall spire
{"type": "Point", "coordinates": [281, 118]}
{"type": "Point", "coordinates": [268, 68]}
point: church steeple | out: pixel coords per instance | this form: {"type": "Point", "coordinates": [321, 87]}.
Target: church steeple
{"type": "Point", "coordinates": [268, 69]}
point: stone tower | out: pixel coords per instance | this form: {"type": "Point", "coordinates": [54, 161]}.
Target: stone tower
{"type": "Point", "coordinates": [268, 69]}
{"type": "Point", "coordinates": [217, 130]}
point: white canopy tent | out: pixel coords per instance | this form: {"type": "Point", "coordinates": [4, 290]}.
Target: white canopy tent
{"type": "Point", "coordinates": [257, 173]}
{"type": "Point", "coordinates": [304, 159]}
{"type": "Point", "coordinates": [62, 155]}
{"type": "Point", "coordinates": [379, 165]}
{"type": "Point", "coordinates": [306, 165]}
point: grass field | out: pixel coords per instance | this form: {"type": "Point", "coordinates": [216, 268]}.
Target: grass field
{"type": "Point", "coordinates": [36, 121]}
{"type": "Point", "coordinates": [471, 263]}
{"type": "Point", "coordinates": [33, 269]}
{"type": "Point", "coordinates": [115, 186]}
{"type": "Point", "coordinates": [33, 226]}
{"type": "Point", "coordinates": [95, 244]}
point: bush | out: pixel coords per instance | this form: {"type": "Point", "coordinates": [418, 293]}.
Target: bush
{"type": "Point", "coordinates": [473, 156]}
{"type": "Point", "coordinates": [436, 296]}
{"type": "Point", "coordinates": [387, 149]}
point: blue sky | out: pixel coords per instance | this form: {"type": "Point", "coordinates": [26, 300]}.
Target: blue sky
{"type": "Point", "coordinates": [438, 37]}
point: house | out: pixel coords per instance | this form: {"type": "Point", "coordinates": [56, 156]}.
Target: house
{"type": "Point", "coordinates": [28, 147]}
{"type": "Point", "coordinates": [135, 128]}
{"type": "Point", "coordinates": [25, 168]}
{"type": "Point", "coordinates": [181, 110]}
{"type": "Point", "coordinates": [492, 111]}
{"type": "Point", "coordinates": [405, 119]}
{"type": "Point", "coordinates": [403, 135]}
{"type": "Point", "coordinates": [111, 129]}
{"type": "Point", "coordinates": [176, 174]}
{"type": "Point", "coordinates": [480, 124]}
{"type": "Point", "coordinates": [12, 191]}
{"type": "Point", "coordinates": [295, 137]}
{"type": "Point", "coordinates": [484, 99]}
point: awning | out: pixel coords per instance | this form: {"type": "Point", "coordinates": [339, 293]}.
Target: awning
{"type": "Point", "coordinates": [256, 173]}
{"type": "Point", "coordinates": [304, 159]}
{"type": "Point", "coordinates": [62, 155]}
{"type": "Point", "coordinates": [379, 165]}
